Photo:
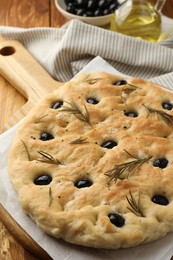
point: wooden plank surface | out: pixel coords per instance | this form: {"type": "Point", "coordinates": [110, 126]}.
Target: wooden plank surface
{"type": "Point", "coordinates": [26, 14]}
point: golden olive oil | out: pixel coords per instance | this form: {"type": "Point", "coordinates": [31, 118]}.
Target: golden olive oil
{"type": "Point", "coordinates": [137, 18]}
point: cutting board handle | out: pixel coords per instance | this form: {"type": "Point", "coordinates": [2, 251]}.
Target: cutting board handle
{"type": "Point", "coordinates": [19, 68]}
{"type": "Point", "coordinates": [24, 73]}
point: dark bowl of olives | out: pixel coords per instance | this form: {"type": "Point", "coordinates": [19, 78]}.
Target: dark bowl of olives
{"type": "Point", "coordinates": [95, 12]}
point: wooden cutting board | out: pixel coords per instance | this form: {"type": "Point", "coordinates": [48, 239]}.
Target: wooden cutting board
{"type": "Point", "coordinates": [24, 73]}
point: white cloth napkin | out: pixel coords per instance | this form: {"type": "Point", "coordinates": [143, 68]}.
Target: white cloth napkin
{"type": "Point", "coordinates": [64, 52]}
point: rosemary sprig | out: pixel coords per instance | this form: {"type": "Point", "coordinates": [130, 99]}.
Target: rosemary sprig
{"type": "Point", "coordinates": [131, 155]}
{"type": "Point", "coordinates": [135, 205]}
{"type": "Point", "coordinates": [47, 158]}
{"type": "Point", "coordinates": [50, 197]}
{"type": "Point", "coordinates": [38, 119]}
{"type": "Point", "coordinates": [27, 151]}
{"type": "Point", "coordinates": [74, 109]}
{"type": "Point", "coordinates": [129, 167]}
{"type": "Point", "coordinates": [129, 90]}
{"type": "Point", "coordinates": [79, 140]}
{"type": "Point", "coordinates": [167, 118]}
{"type": "Point", "coordinates": [132, 85]}
{"type": "Point", "coordinates": [91, 81]}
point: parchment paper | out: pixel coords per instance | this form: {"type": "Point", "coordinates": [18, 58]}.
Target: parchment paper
{"type": "Point", "coordinates": [60, 250]}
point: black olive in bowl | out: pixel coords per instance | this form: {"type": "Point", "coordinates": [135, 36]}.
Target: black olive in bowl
{"type": "Point", "coordinates": [95, 12]}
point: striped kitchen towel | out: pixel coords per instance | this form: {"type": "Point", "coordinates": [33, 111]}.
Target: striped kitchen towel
{"type": "Point", "coordinates": [64, 51]}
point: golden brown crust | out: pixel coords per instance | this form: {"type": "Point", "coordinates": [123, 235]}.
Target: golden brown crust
{"type": "Point", "coordinates": [120, 177]}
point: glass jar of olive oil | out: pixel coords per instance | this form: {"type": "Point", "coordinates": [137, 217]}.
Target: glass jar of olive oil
{"type": "Point", "coordinates": [137, 18]}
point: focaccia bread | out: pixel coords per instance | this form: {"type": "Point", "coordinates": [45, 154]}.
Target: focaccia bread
{"type": "Point", "coordinates": [93, 162]}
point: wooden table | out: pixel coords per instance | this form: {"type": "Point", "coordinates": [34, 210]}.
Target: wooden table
{"type": "Point", "coordinates": [26, 14]}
